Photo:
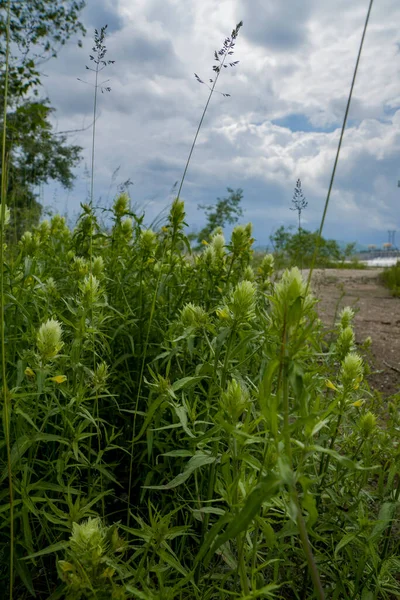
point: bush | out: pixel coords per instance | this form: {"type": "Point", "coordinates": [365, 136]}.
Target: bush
{"type": "Point", "coordinates": [179, 428]}
{"type": "Point", "coordinates": [391, 278]}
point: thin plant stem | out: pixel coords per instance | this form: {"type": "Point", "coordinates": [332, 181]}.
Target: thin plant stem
{"type": "Point", "coordinates": [203, 115]}
{"type": "Point", "coordinates": [93, 139]}
{"type": "Point", "coordinates": [7, 407]}
{"type": "Point", "coordinates": [154, 300]}
{"type": "Point", "coordinates": [284, 381]}
{"type": "Point", "coordinates": [318, 241]}
{"type": "Point", "coordinates": [389, 529]}
{"type": "Point", "coordinates": [197, 133]}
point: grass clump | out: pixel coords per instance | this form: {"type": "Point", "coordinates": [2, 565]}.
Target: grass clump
{"type": "Point", "coordinates": [391, 278]}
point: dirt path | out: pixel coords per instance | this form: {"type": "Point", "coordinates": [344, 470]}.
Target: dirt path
{"type": "Point", "coordinates": [377, 315]}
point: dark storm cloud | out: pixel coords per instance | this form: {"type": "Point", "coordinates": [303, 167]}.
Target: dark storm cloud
{"type": "Point", "coordinates": [280, 26]}
{"type": "Point", "coordinates": [102, 12]}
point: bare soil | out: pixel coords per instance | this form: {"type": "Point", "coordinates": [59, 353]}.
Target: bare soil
{"type": "Point", "coordinates": [377, 316]}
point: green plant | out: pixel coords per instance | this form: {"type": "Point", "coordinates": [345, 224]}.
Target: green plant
{"type": "Point", "coordinates": [300, 247]}
{"type": "Point", "coordinates": [251, 444]}
{"type": "Point", "coordinates": [299, 202]}
{"type": "Point", "coordinates": [194, 403]}
{"type": "Point", "coordinates": [225, 211]}
{"type": "Point", "coordinates": [35, 153]}
{"type": "Point", "coordinates": [391, 278]}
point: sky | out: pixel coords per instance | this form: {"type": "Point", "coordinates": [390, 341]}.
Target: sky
{"type": "Point", "coordinates": [281, 121]}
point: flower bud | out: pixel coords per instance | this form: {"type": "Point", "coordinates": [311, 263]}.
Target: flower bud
{"type": "Point", "coordinates": [177, 213]}
{"type": "Point", "coordinates": [121, 205]}
{"type": "Point", "coordinates": [266, 267]}
{"type": "Point", "coordinates": [90, 289]}
{"type": "Point", "coordinates": [234, 401]}
{"type": "Point", "coordinates": [248, 274]}
{"type": "Point", "coordinates": [148, 241]}
{"type": "Point", "coordinates": [352, 370]}
{"type": "Point", "coordinates": [346, 317]}
{"type": "Point", "coordinates": [193, 316]}
{"type": "Point", "coordinates": [367, 424]}
{"type": "Point", "coordinates": [48, 339]}
{"type": "Point", "coordinates": [243, 301]}
{"type": "Point", "coordinates": [7, 214]}
{"type": "Point", "coordinates": [218, 245]}
{"type": "Point", "coordinates": [345, 342]}
{"type": "Point", "coordinates": [98, 266]}
{"type": "Point", "coordinates": [127, 227]}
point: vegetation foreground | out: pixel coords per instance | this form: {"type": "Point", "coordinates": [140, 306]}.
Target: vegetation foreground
{"type": "Point", "coordinates": [179, 426]}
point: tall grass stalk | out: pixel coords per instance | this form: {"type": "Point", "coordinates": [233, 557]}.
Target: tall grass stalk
{"type": "Point", "coordinates": [226, 51]}
{"type": "Point", "coordinates": [7, 405]}
{"type": "Point", "coordinates": [335, 164]}
{"type": "Point", "coordinates": [218, 72]}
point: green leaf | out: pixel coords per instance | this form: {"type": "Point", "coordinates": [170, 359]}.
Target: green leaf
{"type": "Point", "coordinates": [25, 575]}
{"type": "Point", "coordinates": [266, 489]}
{"type": "Point", "coordinates": [49, 550]}
{"type": "Point", "coordinates": [346, 539]}
{"type": "Point", "coordinates": [181, 413]}
{"type": "Point", "coordinates": [185, 382]}
{"type": "Point", "coordinates": [197, 461]}
{"type": "Point", "coordinates": [384, 519]}
{"type": "Point", "coordinates": [267, 591]}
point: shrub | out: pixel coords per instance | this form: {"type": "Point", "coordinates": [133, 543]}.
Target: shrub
{"type": "Point", "coordinates": [391, 278]}
{"type": "Point", "coordinates": [191, 406]}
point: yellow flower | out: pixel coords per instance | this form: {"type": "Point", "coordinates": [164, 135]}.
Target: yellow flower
{"type": "Point", "coordinates": [109, 572]}
{"type": "Point", "coordinates": [330, 385]}
{"type": "Point", "coordinates": [204, 242]}
{"type": "Point", "coordinates": [223, 313]}
{"type": "Point", "coordinates": [358, 403]}
{"type": "Point", "coordinates": [29, 373]}
{"type": "Point", "coordinates": [59, 378]}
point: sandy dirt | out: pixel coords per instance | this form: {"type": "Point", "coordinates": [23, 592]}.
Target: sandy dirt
{"type": "Point", "coordinates": [377, 315]}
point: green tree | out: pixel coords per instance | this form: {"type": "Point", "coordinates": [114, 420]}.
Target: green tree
{"type": "Point", "coordinates": [295, 248]}
{"type": "Point", "coordinates": [34, 156]}
{"type": "Point", "coordinates": [34, 153]}
{"type": "Point", "coordinates": [225, 212]}
{"type": "Point", "coordinates": [38, 29]}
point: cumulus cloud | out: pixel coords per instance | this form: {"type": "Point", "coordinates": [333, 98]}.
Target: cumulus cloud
{"type": "Point", "coordinates": [281, 122]}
